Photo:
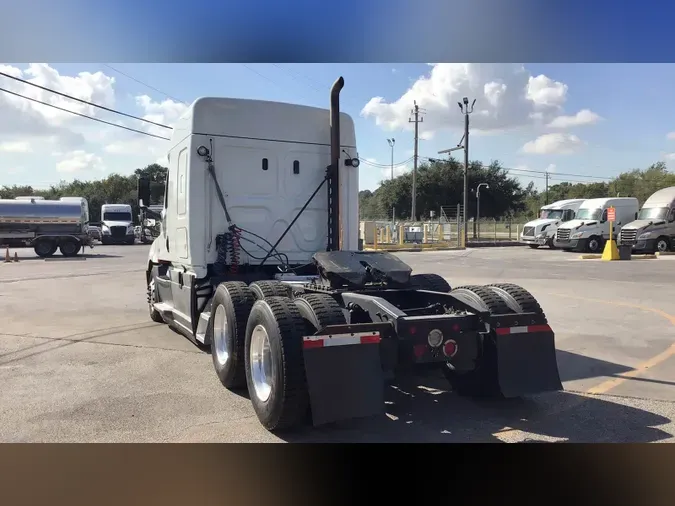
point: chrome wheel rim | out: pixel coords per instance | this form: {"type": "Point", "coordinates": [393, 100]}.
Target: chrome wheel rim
{"type": "Point", "coordinates": [220, 335]}
{"type": "Point", "coordinates": [662, 246]}
{"type": "Point", "coordinates": [261, 363]}
{"type": "Point", "coordinates": [593, 245]}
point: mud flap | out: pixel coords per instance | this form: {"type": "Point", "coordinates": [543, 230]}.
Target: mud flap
{"type": "Point", "coordinates": [344, 376]}
{"type": "Point", "coordinates": [526, 360]}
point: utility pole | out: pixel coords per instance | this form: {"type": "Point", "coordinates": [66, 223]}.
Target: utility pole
{"type": "Point", "coordinates": [417, 120]}
{"type": "Point", "coordinates": [391, 142]}
{"type": "Point", "coordinates": [546, 174]}
{"type": "Point", "coordinates": [466, 111]}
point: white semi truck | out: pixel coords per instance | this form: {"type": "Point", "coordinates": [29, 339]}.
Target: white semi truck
{"type": "Point", "coordinates": [654, 229]}
{"type": "Point", "coordinates": [46, 225]}
{"type": "Point", "coordinates": [590, 229]}
{"type": "Point", "coordinates": [117, 224]}
{"type": "Point", "coordinates": [541, 232]}
{"type": "Point", "coordinates": [257, 258]}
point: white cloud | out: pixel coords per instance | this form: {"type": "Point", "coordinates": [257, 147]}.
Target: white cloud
{"type": "Point", "coordinates": [507, 96]}
{"type": "Point", "coordinates": [551, 168]}
{"type": "Point", "coordinates": [80, 161]}
{"type": "Point", "coordinates": [670, 136]}
{"type": "Point", "coordinates": [166, 112]}
{"type": "Point", "coordinates": [15, 147]}
{"type": "Point", "coordinates": [583, 117]}
{"type": "Point", "coordinates": [22, 119]}
{"type": "Point", "coordinates": [553, 144]}
{"type": "Point", "coordinates": [669, 156]}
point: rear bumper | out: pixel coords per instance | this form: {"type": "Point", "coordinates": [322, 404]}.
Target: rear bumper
{"type": "Point", "coordinates": [110, 239]}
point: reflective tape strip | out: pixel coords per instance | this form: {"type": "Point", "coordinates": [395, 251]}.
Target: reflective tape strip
{"type": "Point", "coordinates": [341, 340]}
{"type": "Point", "coordinates": [522, 330]}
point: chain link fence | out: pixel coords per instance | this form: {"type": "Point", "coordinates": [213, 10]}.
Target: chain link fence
{"type": "Point", "coordinates": [442, 229]}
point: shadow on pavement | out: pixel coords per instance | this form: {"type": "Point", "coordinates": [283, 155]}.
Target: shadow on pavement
{"type": "Point", "coordinates": [573, 366]}
{"type": "Point", "coordinates": [59, 258]}
{"type": "Point", "coordinates": [424, 411]}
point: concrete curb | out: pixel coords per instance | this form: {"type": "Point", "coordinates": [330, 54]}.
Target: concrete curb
{"type": "Point", "coordinates": [412, 250]}
{"type": "Point", "coordinates": [633, 257]}
{"type": "Point", "coordinates": [494, 244]}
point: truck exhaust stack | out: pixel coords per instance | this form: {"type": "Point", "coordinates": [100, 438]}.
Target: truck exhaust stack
{"type": "Point", "coordinates": [334, 168]}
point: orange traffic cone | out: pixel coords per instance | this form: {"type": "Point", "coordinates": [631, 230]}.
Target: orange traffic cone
{"type": "Point", "coordinates": [16, 256]}
{"type": "Point", "coordinates": [7, 257]}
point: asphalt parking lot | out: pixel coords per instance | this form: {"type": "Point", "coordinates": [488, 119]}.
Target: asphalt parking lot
{"type": "Point", "coordinates": [80, 360]}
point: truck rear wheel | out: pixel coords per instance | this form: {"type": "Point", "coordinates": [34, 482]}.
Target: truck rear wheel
{"type": "Point", "coordinates": [431, 282]}
{"type": "Point", "coordinates": [45, 248]}
{"type": "Point", "coordinates": [231, 306]}
{"type": "Point", "coordinates": [265, 289]}
{"type": "Point", "coordinates": [69, 247]}
{"type": "Point", "coordinates": [319, 310]}
{"type": "Point", "coordinates": [275, 366]}
{"type": "Point", "coordinates": [482, 381]}
{"type": "Point", "coordinates": [518, 299]}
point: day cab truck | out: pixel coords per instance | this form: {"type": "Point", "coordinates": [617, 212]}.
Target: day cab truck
{"type": "Point", "coordinates": [541, 232]}
{"type": "Point", "coordinates": [654, 229]}
{"type": "Point", "coordinates": [117, 224]}
{"type": "Point", "coordinates": [257, 260]}
{"type": "Point", "coordinates": [589, 231]}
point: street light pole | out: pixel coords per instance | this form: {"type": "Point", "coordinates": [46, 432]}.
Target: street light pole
{"type": "Point", "coordinates": [487, 187]}
{"type": "Point", "coordinates": [466, 111]}
{"type": "Point", "coordinates": [391, 142]}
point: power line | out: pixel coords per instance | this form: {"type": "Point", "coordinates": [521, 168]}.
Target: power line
{"type": "Point", "coordinates": [385, 166]}
{"type": "Point", "coordinates": [85, 116]}
{"type": "Point", "coordinates": [84, 101]}
{"type": "Point", "coordinates": [144, 84]}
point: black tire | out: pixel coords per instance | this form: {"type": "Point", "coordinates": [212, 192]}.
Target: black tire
{"type": "Point", "coordinates": [518, 299]}
{"type": "Point", "coordinates": [263, 290]}
{"type": "Point", "coordinates": [484, 297]}
{"type": "Point", "coordinates": [533, 246]}
{"type": "Point", "coordinates": [550, 244]}
{"type": "Point", "coordinates": [319, 310]}
{"type": "Point", "coordinates": [431, 282]}
{"type": "Point", "coordinates": [594, 244]}
{"type": "Point", "coordinates": [155, 315]}
{"type": "Point", "coordinates": [482, 381]}
{"type": "Point", "coordinates": [287, 405]}
{"type": "Point", "coordinates": [45, 248]}
{"type": "Point", "coordinates": [232, 302]}
{"type": "Point", "coordinates": [69, 247]}
{"type": "Point", "coordinates": [662, 245]}
{"type": "Point", "coordinates": [131, 241]}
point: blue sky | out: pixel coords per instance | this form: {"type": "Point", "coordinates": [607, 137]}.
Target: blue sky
{"type": "Point", "coordinates": [628, 113]}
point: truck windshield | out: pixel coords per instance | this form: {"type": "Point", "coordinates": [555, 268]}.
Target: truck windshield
{"type": "Point", "coordinates": [653, 213]}
{"type": "Point", "coordinates": [552, 214]}
{"type": "Point", "coordinates": [589, 214]}
{"type": "Point", "coordinates": [116, 216]}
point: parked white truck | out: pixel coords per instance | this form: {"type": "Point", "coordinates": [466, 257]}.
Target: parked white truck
{"type": "Point", "coordinates": [46, 225]}
{"type": "Point", "coordinates": [590, 229]}
{"type": "Point", "coordinates": [257, 257]}
{"type": "Point", "coordinates": [541, 232]}
{"type": "Point", "coordinates": [654, 229]}
{"type": "Point", "coordinates": [117, 224]}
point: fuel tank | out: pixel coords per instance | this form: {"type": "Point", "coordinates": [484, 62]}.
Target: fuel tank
{"type": "Point", "coordinates": [17, 214]}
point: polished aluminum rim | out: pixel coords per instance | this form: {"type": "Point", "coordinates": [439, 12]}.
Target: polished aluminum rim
{"type": "Point", "coordinates": [261, 363]}
{"type": "Point", "coordinates": [220, 335]}
{"type": "Point", "coordinates": [662, 246]}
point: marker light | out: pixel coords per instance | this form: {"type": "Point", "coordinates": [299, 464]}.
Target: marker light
{"type": "Point", "coordinates": [435, 338]}
{"type": "Point", "coordinates": [450, 348]}
{"type": "Point", "coordinates": [202, 151]}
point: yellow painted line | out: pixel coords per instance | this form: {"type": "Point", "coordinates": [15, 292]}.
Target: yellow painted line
{"type": "Point", "coordinates": [610, 384]}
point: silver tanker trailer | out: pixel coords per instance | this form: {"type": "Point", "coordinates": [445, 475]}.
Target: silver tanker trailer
{"type": "Point", "coordinates": [46, 225]}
